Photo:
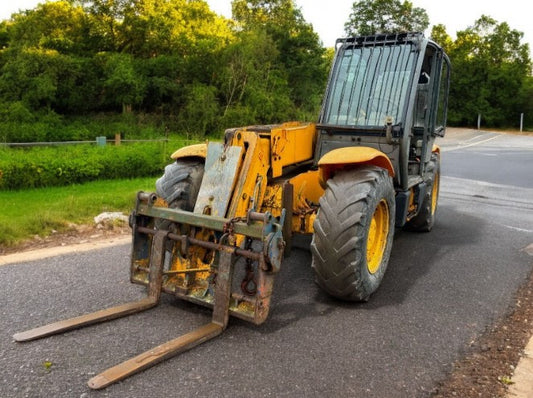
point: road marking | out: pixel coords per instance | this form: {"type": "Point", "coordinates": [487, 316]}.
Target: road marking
{"type": "Point", "coordinates": [474, 137]}
{"type": "Point", "coordinates": [518, 229]}
{"type": "Point", "coordinates": [469, 145]}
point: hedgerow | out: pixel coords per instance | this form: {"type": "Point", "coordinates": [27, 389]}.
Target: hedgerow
{"type": "Point", "coordinates": [22, 168]}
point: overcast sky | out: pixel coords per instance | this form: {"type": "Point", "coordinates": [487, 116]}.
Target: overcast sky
{"type": "Point", "coordinates": [328, 17]}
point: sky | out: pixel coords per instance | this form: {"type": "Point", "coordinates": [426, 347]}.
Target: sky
{"type": "Point", "coordinates": [328, 17]}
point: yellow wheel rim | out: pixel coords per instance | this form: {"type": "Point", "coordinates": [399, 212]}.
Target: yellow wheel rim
{"type": "Point", "coordinates": [435, 194]}
{"type": "Point", "coordinates": [377, 236]}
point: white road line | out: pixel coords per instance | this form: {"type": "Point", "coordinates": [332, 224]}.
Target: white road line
{"type": "Point", "coordinates": [444, 149]}
{"type": "Point", "coordinates": [518, 229]}
{"type": "Point", "coordinates": [474, 137]}
{"type": "Point", "coordinates": [485, 192]}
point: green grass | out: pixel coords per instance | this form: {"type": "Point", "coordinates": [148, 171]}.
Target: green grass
{"type": "Point", "coordinates": [31, 212]}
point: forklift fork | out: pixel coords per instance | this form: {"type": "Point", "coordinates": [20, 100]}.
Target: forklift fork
{"type": "Point", "coordinates": [151, 357]}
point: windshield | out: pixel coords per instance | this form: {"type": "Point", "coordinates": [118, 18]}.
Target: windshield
{"type": "Point", "coordinates": [369, 85]}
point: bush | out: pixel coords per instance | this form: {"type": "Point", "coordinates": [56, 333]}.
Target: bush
{"type": "Point", "coordinates": [57, 166]}
{"type": "Point", "coordinates": [17, 125]}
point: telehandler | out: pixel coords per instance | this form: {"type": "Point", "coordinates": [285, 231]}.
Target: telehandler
{"type": "Point", "coordinates": [221, 220]}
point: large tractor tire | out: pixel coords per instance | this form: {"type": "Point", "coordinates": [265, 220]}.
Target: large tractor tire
{"type": "Point", "coordinates": [425, 219]}
{"type": "Point", "coordinates": [353, 233]}
{"type": "Point", "coordinates": [180, 183]}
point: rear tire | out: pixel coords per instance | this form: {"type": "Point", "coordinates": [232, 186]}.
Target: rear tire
{"type": "Point", "coordinates": [425, 219]}
{"type": "Point", "coordinates": [353, 234]}
{"type": "Point", "coordinates": [180, 184]}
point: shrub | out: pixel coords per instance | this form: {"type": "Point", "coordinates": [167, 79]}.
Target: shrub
{"type": "Point", "coordinates": [22, 168]}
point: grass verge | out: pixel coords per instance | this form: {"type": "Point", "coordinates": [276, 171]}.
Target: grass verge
{"type": "Point", "coordinates": [31, 212]}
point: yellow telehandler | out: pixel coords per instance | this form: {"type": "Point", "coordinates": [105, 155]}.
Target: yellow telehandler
{"type": "Point", "coordinates": [221, 220]}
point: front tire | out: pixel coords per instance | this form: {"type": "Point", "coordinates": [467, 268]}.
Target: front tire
{"type": "Point", "coordinates": [353, 233]}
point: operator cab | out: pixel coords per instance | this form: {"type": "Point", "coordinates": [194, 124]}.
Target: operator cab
{"type": "Point", "coordinates": [369, 84]}
{"type": "Point", "coordinates": [387, 92]}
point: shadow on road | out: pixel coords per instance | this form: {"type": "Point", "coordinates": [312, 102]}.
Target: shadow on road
{"type": "Point", "coordinates": [414, 255]}
{"type": "Point", "coordinates": [297, 297]}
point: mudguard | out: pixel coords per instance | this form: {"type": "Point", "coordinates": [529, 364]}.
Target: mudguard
{"type": "Point", "coordinates": [349, 156]}
{"type": "Point", "coordinates": [191, 151]}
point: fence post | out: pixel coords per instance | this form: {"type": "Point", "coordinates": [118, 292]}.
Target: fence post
{"type": "Point", "coordinates": [478, 121]}
{"type": "Point", "coordinates": [521, 121]}
{"type": "Point", "coordinates": [117, 139]}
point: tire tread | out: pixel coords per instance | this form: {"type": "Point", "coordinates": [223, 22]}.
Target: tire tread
{"type": "Point", "coordinates": [339, 239]}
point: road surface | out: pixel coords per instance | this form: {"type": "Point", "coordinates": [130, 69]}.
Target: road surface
{"type": "Point", "coordinates": [440, 292]}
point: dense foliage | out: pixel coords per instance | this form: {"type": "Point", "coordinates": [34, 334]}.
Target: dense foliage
{"type": "Point", "coordinates": [174, 58]}
{"type": "Point", "coordinates": [491, 66]}
{"type": "Point", "coordinates": [369, 17]}
{"type": "Point", "coordinates": [491, 74]}
{"type": "Point", "coordinates": [58, 166]}
{"type": "Point", "coordinates": [149, 67]}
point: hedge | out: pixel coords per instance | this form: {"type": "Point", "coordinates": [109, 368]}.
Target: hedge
{"type": "Point", "coordinates": [22, 168]}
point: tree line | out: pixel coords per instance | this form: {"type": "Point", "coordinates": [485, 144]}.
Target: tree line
{"type": "Point", "coordinates": [196, 72]}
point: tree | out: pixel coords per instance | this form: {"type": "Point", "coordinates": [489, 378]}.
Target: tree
{"type": "Point", "coordinates": [253, 84]}
{"type": "Point", "coordinates": [299, 50]}
{"type": "Point", "coordinates": [164, 91]}
{"type": "Point", "coordinates": [245, 63]}
{"type": "Point", "coordinates": [440, 36]}
{"type": "Point", "coordinates": [199, 113]}
{"type": "Point", "coordinates": [188, 28]}
{"type": "Point", "coordinates": [490, 67]}
{"type": "Point", "coordinates": [176, 58]}
{"type": "Point", "coordinates": [526, 101]}
{"type": "Point", "coordinates": [55, 26]}
{"type": "Point", "coordinates": [4, 35]}
{"type": "Point", "coordinates": [123, 84]}
{"type": "Point", "coordinates": [370, 17]}
{"type": "Point", "coordinates": [105, 18]}
{"type": "Point", "coordinates": [178, 42]}
{"type": "Point", "coordinates": [31, 76]}
{"type": "Point", "coordinates": [264, 13]}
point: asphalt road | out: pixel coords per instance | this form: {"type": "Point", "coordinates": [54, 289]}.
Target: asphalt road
{"type": "Point", "coordinates": [441, 291]}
